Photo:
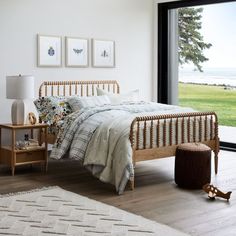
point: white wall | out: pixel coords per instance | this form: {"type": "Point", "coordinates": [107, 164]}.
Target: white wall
{"type": "Point", "coordinates": [128, 22]}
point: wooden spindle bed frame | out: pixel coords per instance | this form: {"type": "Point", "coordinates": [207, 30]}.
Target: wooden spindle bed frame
{"type": "Point", "coordinates": [188, 127]}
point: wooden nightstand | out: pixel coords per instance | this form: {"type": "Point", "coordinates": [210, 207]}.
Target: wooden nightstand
{"type": "Point", "coordinates": [12, 156]}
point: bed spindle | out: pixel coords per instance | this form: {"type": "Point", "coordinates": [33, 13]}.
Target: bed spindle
{"type": "Point", "coordinates": [171, 132]}
{"type": "Point", "coordinates": [206, 128]}
{"type": "Point", "coordinates": [189, 130]}
{"type": "Point", "coordinates": [151, 134]}
{"type": "Point", "coordinates": [182, 129]}
{"type": "Point", "coordinates": [200, 129]}
{"type": "Point", "coordinates": [81, 90]}
{"type": "Point", "coordinates": [58, 90]}
{"type": "Point", "coordinates": [137, 136]}
{"type": "Point", "coordinates": [212, 127]}
{"type": "Point", "coordinates": [52, 92]}
{"type": "Point", "coordinates": [64, 90]}
{"type": "Point", "coordinates": [164, 133]}
{"type": "Point", "coordinates": [144, 134]}
{"type": "Point", "coordinates": [92, 89]}
{"type": "Point", "coordinates": [194, 129]}
{"type": "Point", "coordinates": [215, 127]}
{"type": "Point", "coordinates": [177, 131]}
{"type": "Point", "coordinates": [158, 133]}
{"type": "Point", "coordinates": [70, 91]}
{"type": "Point", "coordinates": [87, 90]}
{"type": "Point", "coordinates": [76, 89]}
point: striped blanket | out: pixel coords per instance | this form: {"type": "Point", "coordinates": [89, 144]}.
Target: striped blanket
{"type": "Point", "coordinates": [99, 138]}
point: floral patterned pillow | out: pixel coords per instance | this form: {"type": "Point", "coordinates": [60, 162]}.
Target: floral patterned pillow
{"type": "Point", "coordinates": [52, 109]}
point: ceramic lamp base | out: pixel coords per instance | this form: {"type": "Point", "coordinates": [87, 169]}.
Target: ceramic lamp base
{"type": "Point", "coordinates": [18, 112]}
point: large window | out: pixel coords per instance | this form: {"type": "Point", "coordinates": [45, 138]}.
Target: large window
{"type": "Point", "coordinates": [181, 84]}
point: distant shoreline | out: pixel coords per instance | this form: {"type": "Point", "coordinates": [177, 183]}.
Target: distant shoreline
{"type": "Point", "coordinates": [216, 76]}
{"type": "Point", "coordinates": [226, 86]}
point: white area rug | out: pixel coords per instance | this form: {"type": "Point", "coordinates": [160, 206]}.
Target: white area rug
{"type": "Point", "coordinates": [54, 211]}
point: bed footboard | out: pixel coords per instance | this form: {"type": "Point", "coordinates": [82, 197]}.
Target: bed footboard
{"type": "Point", "coordinates": [158, 136]}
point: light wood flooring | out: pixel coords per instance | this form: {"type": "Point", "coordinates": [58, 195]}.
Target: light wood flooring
{"type": "Point", "coordinates": [155, 197]}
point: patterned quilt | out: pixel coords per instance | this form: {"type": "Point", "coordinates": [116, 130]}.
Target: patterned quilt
{"type": "Point", "coordinates": [99, 138]}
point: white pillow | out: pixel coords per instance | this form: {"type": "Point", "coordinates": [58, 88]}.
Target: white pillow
{"type": "Point", "coordinates": [131, 96]}
{"type": "Point", "coordinates": [77, 103]}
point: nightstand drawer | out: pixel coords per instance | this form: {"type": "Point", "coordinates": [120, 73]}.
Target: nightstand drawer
{"type": "Point", "coordinates": [31, 156]}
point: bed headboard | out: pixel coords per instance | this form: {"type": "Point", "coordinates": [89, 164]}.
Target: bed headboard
{"type": "Point", "coordinates": [81, 88]}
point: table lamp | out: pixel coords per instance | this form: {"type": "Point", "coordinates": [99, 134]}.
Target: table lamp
{"type": "Point", "coordinates": [19, 87]}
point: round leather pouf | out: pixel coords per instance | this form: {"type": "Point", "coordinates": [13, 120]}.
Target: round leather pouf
{"type": "Point", "coordinates": [192, 165]}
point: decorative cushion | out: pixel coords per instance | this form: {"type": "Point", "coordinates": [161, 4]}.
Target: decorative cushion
{"type": "Point", "coordinates": [78, 103]}
{"type": "Point", "coordinates": [52, 109]}
{"type": "Point", "coordinates": [131, 96]}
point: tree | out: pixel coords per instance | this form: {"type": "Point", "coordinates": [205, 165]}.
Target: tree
{"type": "Point", "coordinates": [191, 44]}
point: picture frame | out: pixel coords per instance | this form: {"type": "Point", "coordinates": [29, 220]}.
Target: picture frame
{"type": "Point", "coordinates": [103, 52]}
{"type": "Point", "coordinates": [77, 52]}
{"type": "Point", "coordinates": [49, 51]}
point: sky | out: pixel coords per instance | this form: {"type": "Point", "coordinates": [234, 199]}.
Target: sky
{"type": "Point", "coordinates": [219, 29]}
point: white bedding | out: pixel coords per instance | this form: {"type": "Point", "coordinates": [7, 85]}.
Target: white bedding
{"type": "Point", "coordinates": [99, 138]}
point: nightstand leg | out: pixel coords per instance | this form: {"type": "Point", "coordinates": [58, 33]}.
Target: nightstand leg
{"type": "Point", "coordinates": [46, 167]}
{"type": "Point", "coordinates": [13, 154]}
{"type": "Point", "coordinates": [12, 170]}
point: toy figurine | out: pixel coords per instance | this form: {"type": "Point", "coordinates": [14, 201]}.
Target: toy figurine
{"type": "Point", "coordinates": [215, 192]}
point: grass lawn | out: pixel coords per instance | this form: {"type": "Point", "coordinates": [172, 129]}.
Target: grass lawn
{"type": "Point", "coordinates": [210, 98]}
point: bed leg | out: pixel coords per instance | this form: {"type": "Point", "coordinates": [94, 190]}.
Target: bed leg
{"type": "Point", "coordinates": [131, 183]}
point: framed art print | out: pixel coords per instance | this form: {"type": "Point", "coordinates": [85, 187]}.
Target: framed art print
{"type": "Point", "coordinates": [76, 52]}
{"type": "Point", "coordinates": [103, 53]}
{"type": "Point", "coordinates": [49, 51]}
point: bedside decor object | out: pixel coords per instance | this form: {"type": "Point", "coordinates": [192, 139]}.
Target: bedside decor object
{"type": "Point", "coordinates": [103, 53]}
{"type": "Point", "coordinates": [77, 52]}
{"type": "Point", "coordinates": [215, 192]}
{"type": "Point", "coordinates": [19, 88]}
{"type": "Point", "coordinates": [49, 51]}
{"type": "Point", "coordinates": [32, 118]}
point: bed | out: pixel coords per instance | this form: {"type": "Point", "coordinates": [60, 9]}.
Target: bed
{"type": "Point", "coordinates": [150, 136]}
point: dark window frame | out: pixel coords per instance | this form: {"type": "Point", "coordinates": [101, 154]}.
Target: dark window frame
{"type": "Point", "coordinates": [162, 54]}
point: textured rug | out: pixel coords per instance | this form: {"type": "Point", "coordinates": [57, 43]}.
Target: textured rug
{"type": "Point", "coordinates": [54, 211]}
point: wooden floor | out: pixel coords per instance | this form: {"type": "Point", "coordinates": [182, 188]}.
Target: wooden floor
{"type": "Point", "coordinates": [155, 197]}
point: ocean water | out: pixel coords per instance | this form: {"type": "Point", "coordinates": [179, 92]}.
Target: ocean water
{"type": "Point", "coordinates": [217, 76]}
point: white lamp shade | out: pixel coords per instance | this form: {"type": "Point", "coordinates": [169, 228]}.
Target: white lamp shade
{"type": "Point", "coordinates": [20, 87]}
